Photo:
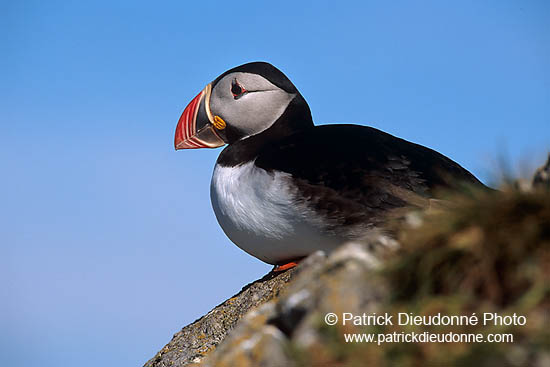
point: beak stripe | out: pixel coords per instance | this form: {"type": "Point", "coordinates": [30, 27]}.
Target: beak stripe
{"type": "Point", "coordinates": [187, 136]}
{"type": "Point", "coordinates": [192, 117]}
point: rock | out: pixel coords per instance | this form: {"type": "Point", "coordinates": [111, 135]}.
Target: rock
{"type": "Point", "coordinates": [265, 336]}
{"type": "Point", "coordinates": [195, 340]}
{"type": "Point", "coordinates": [254, 342]}
{"type": "Point", "coordinates": [284, 308]}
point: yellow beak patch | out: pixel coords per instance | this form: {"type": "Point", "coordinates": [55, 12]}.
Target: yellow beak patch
{"type": "Point", "coordinates": [218, 123]}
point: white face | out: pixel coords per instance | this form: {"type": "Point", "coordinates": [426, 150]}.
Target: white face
{"type": "Point", "coordinates": [248, 102]}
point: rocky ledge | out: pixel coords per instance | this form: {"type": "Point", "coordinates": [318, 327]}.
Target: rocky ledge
{"type": "Point", "coordinates": [489, 254]}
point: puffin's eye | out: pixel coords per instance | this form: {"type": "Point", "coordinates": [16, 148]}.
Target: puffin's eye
{"type": "Point", "coordinates": [236, 89]}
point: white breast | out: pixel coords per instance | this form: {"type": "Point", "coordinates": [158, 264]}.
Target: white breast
{"type": "Point", "coordinates": [257, 212]}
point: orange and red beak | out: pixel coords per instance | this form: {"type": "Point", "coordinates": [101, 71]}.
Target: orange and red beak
{"type": "Point", "coordinates": [195, 127]}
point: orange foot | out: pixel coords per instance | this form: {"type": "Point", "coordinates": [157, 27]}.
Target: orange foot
{"type": "Point", "coordinates": [279, 268]}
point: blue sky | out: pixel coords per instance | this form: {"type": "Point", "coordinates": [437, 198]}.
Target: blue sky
{"type": "Point", "coordinates": [109, 243]}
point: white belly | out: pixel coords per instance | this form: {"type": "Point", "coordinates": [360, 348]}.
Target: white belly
{"type": "Point", "coordinates": [257, 212]}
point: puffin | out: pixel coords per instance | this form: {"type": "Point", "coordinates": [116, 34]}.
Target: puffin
{"type": "Point", "coordinates": [283, 188]}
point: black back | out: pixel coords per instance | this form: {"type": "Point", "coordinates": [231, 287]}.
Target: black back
{"type": "Point", "coordinates": [352, 174]}
{"type": "Point", "coordinates": [341, 155]}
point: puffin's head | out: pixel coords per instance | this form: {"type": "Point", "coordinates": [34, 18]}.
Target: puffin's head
{"type": "Point", "coordinates": [242, 102]}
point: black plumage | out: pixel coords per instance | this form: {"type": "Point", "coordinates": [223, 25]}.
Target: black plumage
{"type": "Point", "coordinates": [351, 174]}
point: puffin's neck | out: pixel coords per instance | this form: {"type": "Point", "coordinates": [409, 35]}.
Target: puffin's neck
{"type": "Point", "coordinates": [295, 119]}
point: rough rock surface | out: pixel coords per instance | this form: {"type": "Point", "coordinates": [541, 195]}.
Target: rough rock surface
{"type": "Point", "coordinates": [277, 316]}
{"type": "Point", "coordinates": [270, 335]}
{"type": "Point", "coordinates": [195, 340]}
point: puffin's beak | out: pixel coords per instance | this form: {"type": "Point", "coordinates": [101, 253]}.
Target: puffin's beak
{"type": "Point", "coordinates": [195, 128]}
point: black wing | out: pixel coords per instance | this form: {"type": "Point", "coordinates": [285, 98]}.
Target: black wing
{"type": "Point", "coordinates": [353, 173]}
